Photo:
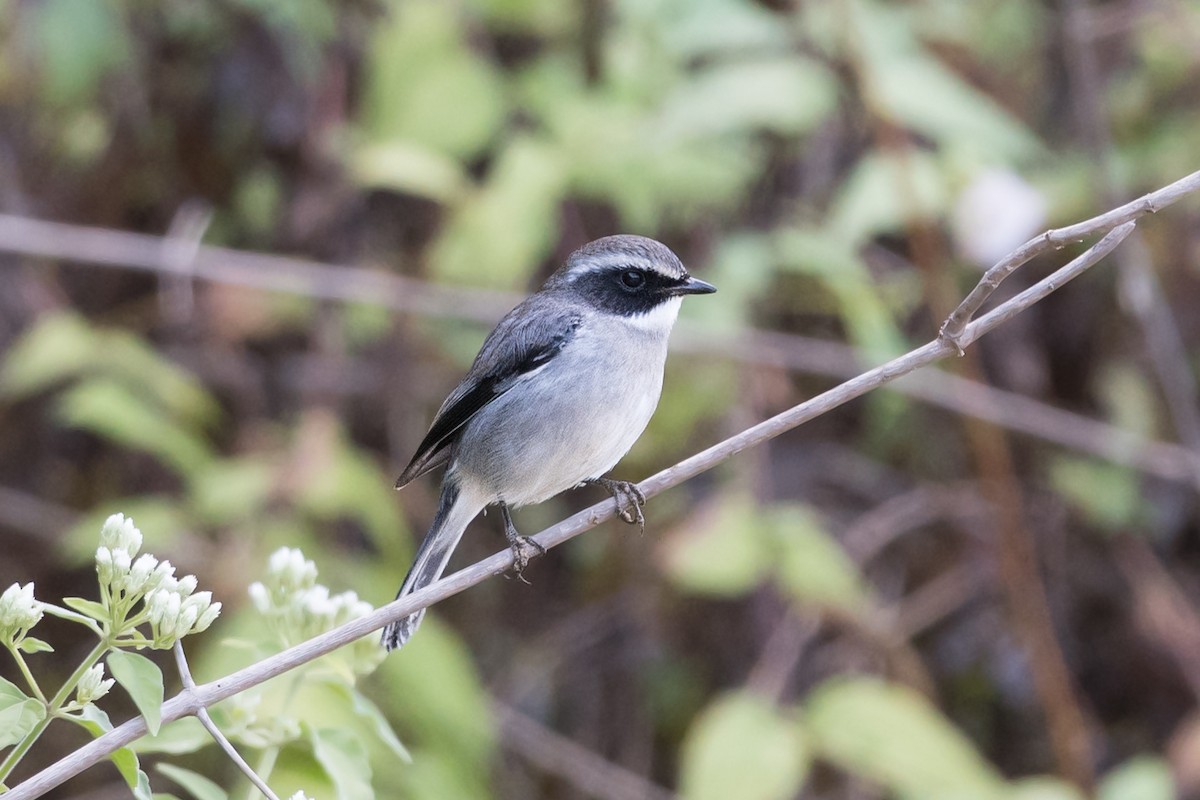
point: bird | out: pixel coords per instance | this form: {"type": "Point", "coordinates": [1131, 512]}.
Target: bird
{"type": "Point", "coordinates": [558, 394]}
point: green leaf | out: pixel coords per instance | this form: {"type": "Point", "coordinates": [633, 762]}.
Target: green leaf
{"type": "Point", "coordinates": [812, 567]}
{"type": "Point", "coordinates": [925, 95]}
{"type": "Point", "coordinates": [141, 788]}
{"type": "Point", "coordinates": [195, 784]}
{"type": "Point", "coordinates": [112, 410]}
{"type": "Point", "coordinates": [1108, 495]}
{"type": "Point", "coordinates": [370, 713]}
{"type": "Point", "coordinates": [78, 43]}
{"type": "Point", "coordinates": [96, 722]}
{"type": "Point", "coordinates": [31, 645]}
{"type": "Point", "coordinates": [228, 490]}
{"type": "Point", "coordinates": [184, 735]}
{"type": "Point", "coordinates": [89, 608]}
{"type": "Point", "coordinates": [19, 713]}
{"type": "Point", "coordinates": [344, 759]}
{"type": "Point", "coordinates": [1141, 778]}
{"type": "Point", "coordinates": [719, 550]}
{"type": "Point", "coordinates": [409, 168]}
{"type": "Point", "coordinates": [788, 95]}
{"type": "Point", "coordinates": [435, 688]}
{"type": "Point", "coordinates": [425, 85]}
{"type": "Point", "coordinates": [58, 347]}
{"type": "Point", "coordinates": [509, 224]}
{"type": "Point", "coordinates": [885, 192]}
{"type": "Point", "coordinates": [142, 678]}
{"type": "Point", "coordinates": [836, 264]}
{"type": "Point", "coordinates": [893, 736]}
{"type": "Point", "coordinates": [743, 746]}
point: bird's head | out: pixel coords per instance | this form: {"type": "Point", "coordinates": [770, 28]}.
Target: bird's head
{"type": "Point", "coordinates": [629, 276]}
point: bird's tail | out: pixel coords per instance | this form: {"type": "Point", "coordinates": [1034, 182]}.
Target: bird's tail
{"type": "Point", "coordinates": [454, 512]}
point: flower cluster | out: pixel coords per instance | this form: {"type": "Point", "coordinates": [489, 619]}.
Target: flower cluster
{"type": "Point", "coordinates": [19, 612]}
{"type": "Point", "coordinates": [300, 608]}
{"type": "Point", "coordinates": [173, 607]}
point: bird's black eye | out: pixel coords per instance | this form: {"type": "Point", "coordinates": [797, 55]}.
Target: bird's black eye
{"type": "Point", "coordinates": [633, 278]}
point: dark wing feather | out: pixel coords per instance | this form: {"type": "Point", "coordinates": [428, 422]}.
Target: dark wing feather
{"type": "Point", "coordinates": [529, 336]}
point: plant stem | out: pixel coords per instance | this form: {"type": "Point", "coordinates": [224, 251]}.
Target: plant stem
{"type": "Point", "coordinates": [263, 769]}
{"type": "Point", "coordinates": [20, 659]}
{"type": "Point", "coordinates": [22, 747]}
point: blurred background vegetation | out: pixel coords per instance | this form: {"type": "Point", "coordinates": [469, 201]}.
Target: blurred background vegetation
{"type": "Point", "coordinates": [896, 600]}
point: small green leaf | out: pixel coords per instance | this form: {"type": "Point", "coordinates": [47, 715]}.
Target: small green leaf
{"type": "Point", "coordinates": [196, 785]}
{"type": "Point", "coordinates": [410, 168]}
{"type": "Point", "coordinates": [58, 347]}
{"type": "Point", "coordinates": [141, 787]}
{"type": "Point", "coordinates": [892, 735]}
{"type": "Point", "coordinates": [344, 759]}
{"type": "Point", "coordinates": [784, 94]}
{"type": "Point", "coordinates": [113, 410]}
{"type": "Point", "coordinates": [742, 746]}
{"type": "Point", "coordinates": [720, 551]}
{"type": "Point", "coordinates": [88, 608]}
{"type": "Point", "coordinates": [812, 567]}
{"type": "Point", "coordinates": [96, 722]}
{"type": "Point", "coordinates": [142, 678]}
{"type": "Point", "coordinates": [1108, 495]}
{"type": "Point", "coordinates": [184, 735]}
{"type": "Point", "coordinates": [78, 43]}
{"type": "Point", "coordinates": [19, 713]}
{"type": "Point", "coordinates": [93, 720]}
{"type": "Point", "coordinates": [31, 645]}
{"type": "Point", "coordinates": [1141, 778]}
{"type": "Point", "coordinates": [508, 223]}
{"type": "Point", "coordinates": [370, 713]}
{"type": "Point", "coordinates": [885, 192]}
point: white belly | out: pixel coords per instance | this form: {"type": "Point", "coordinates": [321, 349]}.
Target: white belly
{"type": "Point", "coordinates": [568, 422]}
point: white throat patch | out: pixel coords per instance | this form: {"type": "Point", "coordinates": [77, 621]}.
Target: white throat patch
{"type": "Point", "coordinates": [659, 319]}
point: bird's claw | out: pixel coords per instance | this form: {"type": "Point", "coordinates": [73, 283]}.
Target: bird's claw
{"type": "Point", "coordinates": [629, 501]}
{"type": "Point", "coordinates": [524, 550]}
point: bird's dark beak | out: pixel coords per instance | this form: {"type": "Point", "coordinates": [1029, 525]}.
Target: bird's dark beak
{"type": "Point", "coordinates": [695, 286]}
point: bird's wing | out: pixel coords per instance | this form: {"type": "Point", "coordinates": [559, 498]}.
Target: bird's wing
{"type": "Point", "coordinates": [530, 335]}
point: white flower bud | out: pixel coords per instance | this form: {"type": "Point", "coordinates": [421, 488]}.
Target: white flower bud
{"type": "Point", "coordinates": [119, 533]}
{"type": "Point", "coordinates": [140, 575]}
{"type": "Point", "coordinates": [18, 610]}
{"type": "Point", "coordinates": [104, 565]}
{"type": "Point", "coordinates": [260, 597]}
{"type": "Point", "coordinates": [92, 686]}
{"type": "Point", "coordinates": [207, 617]}
{"type": "Point", "coordinates": [121, 565]}
{"type": "Point", "coordinates": [186, 585]}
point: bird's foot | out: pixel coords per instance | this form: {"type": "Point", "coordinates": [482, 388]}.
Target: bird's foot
{"type": "Point", "coordinates": [629, 500]}
{"type": "Point", "coordinates": [524, 549]}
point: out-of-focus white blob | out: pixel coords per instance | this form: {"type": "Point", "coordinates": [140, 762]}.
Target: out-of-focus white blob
{"type": "Point", "coordinates": [997, 213]}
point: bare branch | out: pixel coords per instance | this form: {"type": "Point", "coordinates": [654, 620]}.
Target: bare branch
{"type": "Point", "coordinates": [190, 702]}
{"type": "Point", "coordinates": [185, 675]}
{"type": "Point", "coordinates": [954, 326]}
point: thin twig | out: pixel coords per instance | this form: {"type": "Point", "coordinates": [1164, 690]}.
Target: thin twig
{"type": "Point", "coordinates": [189, 685]}
{"type": "Point", "coordinates": [953, 328]}
{"type": "Point", "coordinates": [187, 703]}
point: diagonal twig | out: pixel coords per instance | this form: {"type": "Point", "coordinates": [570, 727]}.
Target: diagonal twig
{"type": "Point", "coordinates": [953, 328]}
{"type": "Point", "coordinates": [189, 685]}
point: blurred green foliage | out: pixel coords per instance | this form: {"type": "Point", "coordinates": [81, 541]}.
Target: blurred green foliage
{"type": "Point", "coordinates": [801, 156]}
